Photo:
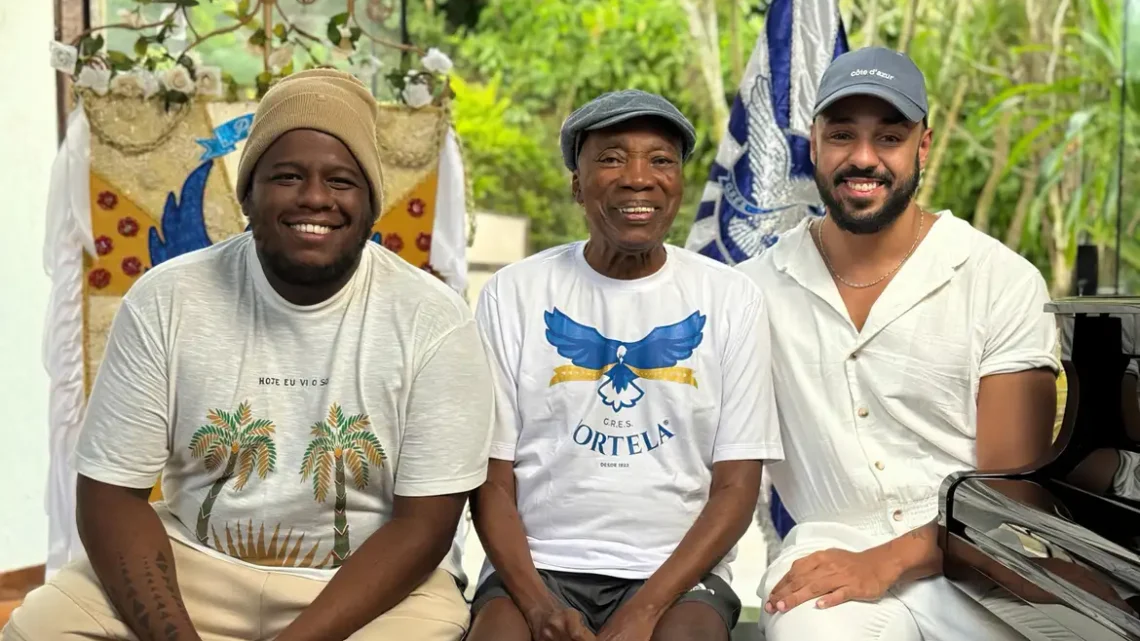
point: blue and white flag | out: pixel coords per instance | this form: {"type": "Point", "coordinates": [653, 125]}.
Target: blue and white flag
{"type": "Point", "coordinates": [761, 182]}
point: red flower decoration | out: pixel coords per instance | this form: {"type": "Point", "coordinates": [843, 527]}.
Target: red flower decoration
{"type": "Point", "coordinates": [416, 208]}
{"type": "Point", "coordinates": [423, 241]}
{"type": "Point", "coordinates": [99, 278]}
{"type": "Point", "coordinates": [394, 243]}
{"type": "Point", "coordinates": [131, 266]}
{"type": "Point", "coordinates": [103, 245]}
{"type": "Point", "coordinates": [128, 226]}
{"type": "Point", "coordinates": [107, 200]}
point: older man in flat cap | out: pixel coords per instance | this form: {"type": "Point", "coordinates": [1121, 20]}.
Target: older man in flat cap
{"type": "Point", "coordinates": [634, 407]}
{"type": "Point", "coordinates": [318, 409]}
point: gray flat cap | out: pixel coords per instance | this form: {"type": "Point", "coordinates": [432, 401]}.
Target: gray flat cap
{"type": "Point", "coordinates": [618, 106]}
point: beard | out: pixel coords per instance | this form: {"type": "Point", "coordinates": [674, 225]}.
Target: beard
{"type": "Point", "coordinates": [898, 198]}
{"type": "Point", "coordinates": [302, 274]}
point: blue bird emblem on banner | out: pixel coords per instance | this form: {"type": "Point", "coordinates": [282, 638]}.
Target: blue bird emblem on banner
{"type": "Point", "coordinates": [183, 224]}
{"type": "Point", "coordinates": [617, 364]}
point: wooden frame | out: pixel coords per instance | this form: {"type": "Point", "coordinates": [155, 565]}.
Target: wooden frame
{"type": "Point", "coordinates": [72, 17]}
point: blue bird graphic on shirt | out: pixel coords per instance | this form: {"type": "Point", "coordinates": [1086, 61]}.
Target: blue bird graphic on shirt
{"type": "Point", "coordinates": [619, 364]}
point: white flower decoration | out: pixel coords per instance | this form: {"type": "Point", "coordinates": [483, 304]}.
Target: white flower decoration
{"type": "Point", "coordinates": [436, 61]}
{"type": "Point", "coordinates": [177, 78]}
{"type": "Point", "coordinates": [210, 82]}
{"type": "Point", "coordinates": [148, 81]}
{"type": "Point", "coordinates": [417, 95]}
{"type": "Point", "coordinates": [97, 80]}
{"type": "Point", "coordinates": [280, 58]}
{"type": "Point", "coordinates": [63, 57]}
{"type": "Point", "coordinates": [127, 84]}
{"type": "Point", "coordinates": [367, 67]}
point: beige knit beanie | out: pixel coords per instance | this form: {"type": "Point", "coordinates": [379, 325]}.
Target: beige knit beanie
{"type": "Point", "coordinates": [326, 100]}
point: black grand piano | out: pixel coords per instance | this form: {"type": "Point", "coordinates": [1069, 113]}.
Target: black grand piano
{"type": "Point", "coordinates": [1054, 550]}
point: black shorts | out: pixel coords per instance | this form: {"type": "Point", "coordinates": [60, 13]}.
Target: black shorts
{"type": "Point", "coordinates": [597, 597]}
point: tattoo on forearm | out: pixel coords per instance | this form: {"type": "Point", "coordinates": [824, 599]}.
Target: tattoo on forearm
{"type": "Point", "coordinates": [157, 614]}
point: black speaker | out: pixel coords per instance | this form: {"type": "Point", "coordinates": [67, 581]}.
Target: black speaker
{"type": "Point", "coordinates": [1085, 272]}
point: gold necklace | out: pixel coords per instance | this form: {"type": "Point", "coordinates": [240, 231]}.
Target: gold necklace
{"type": "Point", "coordinates": [827, 261]}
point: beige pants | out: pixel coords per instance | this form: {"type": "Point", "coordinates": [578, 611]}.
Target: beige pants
{"type": "Point", "coordinates": [227, 602]}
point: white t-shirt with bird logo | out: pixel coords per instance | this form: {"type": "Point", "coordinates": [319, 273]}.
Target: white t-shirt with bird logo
{"type": "Point", "coordinates": [282, 433]}
{"type": "Point", "coordinates": [614, 398]}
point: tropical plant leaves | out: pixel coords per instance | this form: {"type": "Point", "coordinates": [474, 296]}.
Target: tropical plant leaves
{"type": "Point", "coordinates": [323, 477]}
{"type": "Point", "coordinates": [317, 448]}
{"type": "Point", "coordinates": [358, 469]}
{"type": "Point", "coordinates": [259, 427]}
{"type": "Point", "coordinates": [219, 418]}
{"type": "Point", "coordinates": [356, 422]}
{"type": "Point", "coordinates": [216, 455]}
{"type": "Point", "coordinates": [243, 415]}
{"type": "Point", "coordinates": [369, 445]}
{"type": "Point", "coordinates": [266, 459]}
{"type": "Point", "coordinates": [245, 468]}
{"type": "Point", "coordinates": [265, 450]}
{"type": "Point", "coordinates": [336, 417]}
{"type": "Point", "coordinates": [204, 439]}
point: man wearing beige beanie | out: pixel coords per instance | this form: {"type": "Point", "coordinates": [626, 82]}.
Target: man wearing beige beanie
{"type": "Point", "coordinates": [318, 410]}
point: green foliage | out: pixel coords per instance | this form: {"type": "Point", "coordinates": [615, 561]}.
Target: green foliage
{"type": "Point", "coordinates": [513, 163]}
{"type": "Point", "coordinates": [532, 63]}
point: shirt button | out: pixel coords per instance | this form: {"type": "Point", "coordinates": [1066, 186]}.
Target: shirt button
{"type": "Point", "coordinates": [851, 357]}
{"type": "Point", "coordinates": [862, 412]}
{"type": "Point", "coordinates": [897, 515]}
{"type": "Point", "coordinates": [879, 465]}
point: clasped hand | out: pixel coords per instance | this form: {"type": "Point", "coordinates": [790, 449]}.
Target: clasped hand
{"type": "Point", "coordinates": [568, 625]}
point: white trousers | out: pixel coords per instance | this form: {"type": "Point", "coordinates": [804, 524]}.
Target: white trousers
{"type": "Point", "coordinates": [932, 609]}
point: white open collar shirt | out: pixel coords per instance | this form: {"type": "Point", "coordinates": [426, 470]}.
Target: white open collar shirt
{"type": "Point", "coordinates": [874, 420]}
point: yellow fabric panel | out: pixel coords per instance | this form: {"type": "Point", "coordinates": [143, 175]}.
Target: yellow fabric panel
{"type": "Point", "coordinates": [406, 226]}
{"type": "Point", "coordinates": [121, 229]}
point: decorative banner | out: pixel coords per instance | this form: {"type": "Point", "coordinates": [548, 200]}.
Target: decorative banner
{"type": "Point", "coordinates": [226, 137]}
{"type": "Point", "coordinates": [132, 188]}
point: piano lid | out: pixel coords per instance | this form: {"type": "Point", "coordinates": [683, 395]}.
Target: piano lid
{"type": "Point", "coordinates": [1057, 546]}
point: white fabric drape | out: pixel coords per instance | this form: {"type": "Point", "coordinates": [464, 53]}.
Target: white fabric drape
{"type": "Point", "coordinates": [68, 236]}
{"type": "Point", "coordinates": [449, 232]}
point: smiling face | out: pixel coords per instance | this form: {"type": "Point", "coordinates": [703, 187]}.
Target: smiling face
{"type": "Point", "coordinates": [629, 181]}
{"type": "Point", "coordinates": [310, 211]}
{"type": "Point", "coordinates": [867, 162]}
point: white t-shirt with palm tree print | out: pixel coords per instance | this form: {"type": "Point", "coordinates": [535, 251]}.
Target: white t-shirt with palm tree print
{"type": "Point", "coordinates": [283, 432]}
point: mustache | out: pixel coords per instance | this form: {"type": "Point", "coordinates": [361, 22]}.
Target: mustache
{"type": "Point", "coordinates": [885, 177]}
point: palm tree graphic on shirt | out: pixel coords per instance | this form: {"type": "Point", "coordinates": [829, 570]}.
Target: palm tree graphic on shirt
{"type": "Point", "coordinates": [341, 443]}
{"type": "Point", "coordinates": [245, 445]}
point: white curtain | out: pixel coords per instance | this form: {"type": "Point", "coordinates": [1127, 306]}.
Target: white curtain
{"type": "Point", "coordinates": [68, 236]}
{"type": "Point", "coordinates": [449, 232]}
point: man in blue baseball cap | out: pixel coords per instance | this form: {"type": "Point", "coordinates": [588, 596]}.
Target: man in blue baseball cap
{"type": "Point", "coordinates": [906, 346]}
{"type": "Point", "coordinates": [618, 485]}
